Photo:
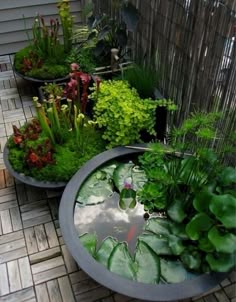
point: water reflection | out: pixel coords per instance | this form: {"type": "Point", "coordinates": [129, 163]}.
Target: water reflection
{"type": "Point", "coordinates": [107, 219]}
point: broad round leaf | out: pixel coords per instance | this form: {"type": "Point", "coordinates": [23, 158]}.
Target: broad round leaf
{"type": "Point", "coordinates": [159, 244]}
{"type": "Point", "coordinates": [202, 200]}
{"type": "Point", "coordinates": [221, 262]}
{"type": "Point", "coordinates": [178, 229]}
{"type": "Point", "coordinates": [176, 211]}
{"type": "Point", "coordinates": [121, 263]}
{"type": "Point", "coordinates": [105, 250]}
{"type": "Point", "coordinates": [147, 263]}
{"type": "Point", "coordinates": [89, 241]}
{"type": "Point", "coordinates": [224, 243]}
{"type": "Point", "coordinates": [199, 223]}
{"type": "Point", "coordinates": [224, 208]}
{"type": "Point", "coordinates": [228, 176]}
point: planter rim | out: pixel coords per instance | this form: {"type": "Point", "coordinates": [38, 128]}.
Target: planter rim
{"type": "Point", "coordinates": [148, 292]}
{"type": "Point", "coordinates": [27, 179]}
{"type": "Point", "coordinates": [39, 81]}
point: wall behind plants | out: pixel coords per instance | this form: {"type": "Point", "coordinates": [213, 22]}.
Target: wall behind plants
{"type": "Point", "coordinates": [193, 44]}
{"type": "Point", "coordinates": [12, 25]}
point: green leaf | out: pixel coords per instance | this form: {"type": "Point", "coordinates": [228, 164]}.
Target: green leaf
{"type": "Point", "coordinates": [224, 208]}
{"type": "Point", "coordinates": [127, 199]}
{"type": "Point", "coordinates": [89, 241]}
{"type": "Point", "coordinates": [148, 264]}
{"type": "Point", "coordinates": [223, 242]}
{"type": "Point", "coordinates": [221, 262]}
{"type": "Point", "coordinates": [205, 245]}
{"type": "Point", "coordinates": [191, 259]}
{"type": "Point", "coordinates": [121, 263]}
{"type": "Point", "coordinates": [95, 190]}
{"type": "Point", "coordinates": [176, 245]}
{"type": "Point", "coordinates": [105, 250]}
{"type": "Point", "coordinates": [202, 200]}
{"type": "Point", "coordinates": [199, 223]}
{"type": "Point", "coordinates": [178, 230]}
{"type": "Point", "coordinates": [228, 176]}
{"type": "Point", "coordinates": [173, 271]}
{"type": "Point", "coordinates": [159, 244]}
{"type": "Point", "coordinates": [176, 211]}
{"type": "Point", "coordinates": [159, 226]}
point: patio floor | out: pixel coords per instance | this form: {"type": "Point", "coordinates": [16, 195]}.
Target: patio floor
{"type": "Point", "coordinates": [35, 264]}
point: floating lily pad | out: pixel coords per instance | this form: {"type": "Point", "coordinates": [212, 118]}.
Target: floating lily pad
{"type": "Point", "coordinates": [176, 211]}
{"type": "Point", "coordinates": [159, 226]}
{"type": "Point", "coordinates": [173, 271]}
{"type": "Point", "coordinates": [199, 223]}
{"type": "Point", "coordinates": [176, 245]}
{"type": "Point", "coordinates": [159, 244]}
{"type": "Point", "coordinates": [221, 262]}
{"type": "Point", "coordinates": [121, 263]}
{"type": "Point", "coordinates": [89, 241]}
{"type": "Point", "coordinates": [223, 242]}
{"type": "Point", "coordinates": [96, 189]}
{"type": "Point", "coordinates": [105, 250]}
{"type": "Point", "coordinates": [147, 263]}
{"type": "Point", "coordinates": [224, 208]}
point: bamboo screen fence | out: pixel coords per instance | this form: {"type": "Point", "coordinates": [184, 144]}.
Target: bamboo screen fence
{"type": "Point", "coordinates": [193, 45]}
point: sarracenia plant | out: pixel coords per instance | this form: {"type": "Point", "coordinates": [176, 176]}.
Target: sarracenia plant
{"type": "Point", "coordinates": [66, 23]}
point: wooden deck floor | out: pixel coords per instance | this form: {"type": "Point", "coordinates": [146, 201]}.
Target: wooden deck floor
{"type": "Point", "coordinates": [35, 264]}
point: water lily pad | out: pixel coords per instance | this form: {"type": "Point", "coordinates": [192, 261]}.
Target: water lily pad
{"type": "Point", "coordinates": [121, 263]}
{"type": "Point", "coordinates": [159, 244]}
{"type": "Point", "coordinates": [176, 245]}
{"type": "Point", "coordinates": [148, 264]}
{"type": "Point", "coordinates": [105, 250]}
{"type": "Point", "coordinates": [96, 189]}
{"type": "Point", "coordinates": [129, 175]}
{"type": "Point", "coordinates": [221, 262]}
{"type": "Point", "coordinates": [224, 208]}
{"type": "Point", "coordinates": [223, 242]}
{"type": "Point", "coordinates": [176, 211]}
{"type": "Point", "coordinates": [159, 226]}
{"type": "Point", "coordinates": [198, 224]}
{"type": "Point", "coordinates": [89, 241]}
{"type": "Point", "coordinates": [127, 199]}
{"type": "Point", "coordinates": [173, 271]}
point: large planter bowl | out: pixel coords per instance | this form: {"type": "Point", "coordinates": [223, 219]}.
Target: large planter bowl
{"type": "Point", "coordinates": [27, 179]}
{"type": "Point", "coordinates": [149, 292]}
{"type": "Point", "coordinates": [40, 82]}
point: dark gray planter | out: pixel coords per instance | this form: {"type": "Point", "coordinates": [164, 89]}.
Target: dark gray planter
{"type": "Point", "coordinates": [30, 180]}
{"type": "Point", "coordinates": [149, 292]}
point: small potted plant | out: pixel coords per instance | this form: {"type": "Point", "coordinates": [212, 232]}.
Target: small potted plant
{"type": "Point", "coordinates": [45, 58]}
{"type": "Point", "coordinates": [163, 225]}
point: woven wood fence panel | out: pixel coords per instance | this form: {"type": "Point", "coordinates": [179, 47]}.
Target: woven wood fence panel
{"type": "Point", "coordinates": [193, 45]}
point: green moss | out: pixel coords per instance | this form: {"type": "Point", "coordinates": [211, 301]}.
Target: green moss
{"type": "Point", "coordinates": [68, 159]}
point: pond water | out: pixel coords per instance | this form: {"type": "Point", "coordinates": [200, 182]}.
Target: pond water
{"type": "Point", "coordinates": [107, 219]}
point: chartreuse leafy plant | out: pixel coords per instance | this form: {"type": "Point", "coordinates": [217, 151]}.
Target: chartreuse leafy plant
{"type": "Point", "coordinates": [122, 114]}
